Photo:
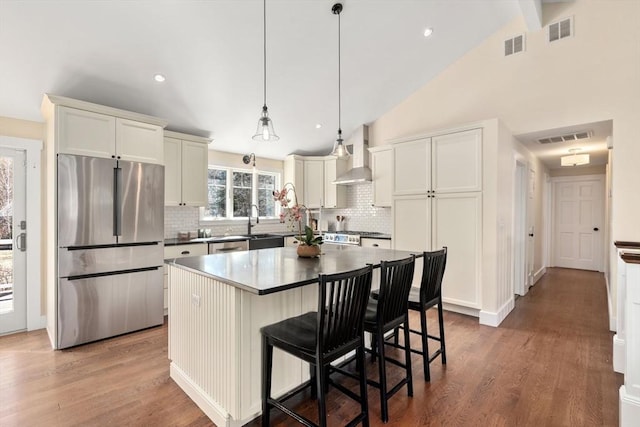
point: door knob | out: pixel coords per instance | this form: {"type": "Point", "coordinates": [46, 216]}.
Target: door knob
{"type": "Point", "coordinates": [530, 234]}
{"type": "Point", "coordinates": [595, 228]}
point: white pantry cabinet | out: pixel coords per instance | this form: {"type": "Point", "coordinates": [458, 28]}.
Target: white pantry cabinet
{"type": "Point", "coordinates": [89, 133]}
{"type": "Point", "coordinates": [438, 202]}
{"type": "Point", "coordinates": [185, 173]}
{"type": "Point", "coordinates": [382, 175]}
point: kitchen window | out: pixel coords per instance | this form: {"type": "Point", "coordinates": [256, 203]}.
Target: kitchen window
{"type": "Point", "coordinates": [232, 191]}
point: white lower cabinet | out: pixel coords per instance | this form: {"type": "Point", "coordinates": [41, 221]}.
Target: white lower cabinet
{"type": "Point", "coordinates": [427, 223]}
{"type": "Point", "coordinates": [290, 241]}
{"type": "Point", "coordinates": [367, 242]}
{"type": "Point", "coordinates": [179, 251]}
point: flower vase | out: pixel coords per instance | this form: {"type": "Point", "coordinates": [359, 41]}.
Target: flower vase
{"type": "Point", "coordinates": [307, 251]}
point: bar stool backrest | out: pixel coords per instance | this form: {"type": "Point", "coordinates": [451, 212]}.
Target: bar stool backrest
{"type": "Point", "coordinates": [342, 304]}
{"type": "Point", "coordinates": [395, 283]}
{"type": "Point", "coordinates": [432, 274]}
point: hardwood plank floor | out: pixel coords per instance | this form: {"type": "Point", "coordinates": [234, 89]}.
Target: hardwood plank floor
{"type": "Point", "coordinates": [548, 364]}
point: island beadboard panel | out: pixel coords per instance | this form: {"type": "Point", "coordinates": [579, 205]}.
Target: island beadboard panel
{"type": "Point", "coordinates": [214, 331]}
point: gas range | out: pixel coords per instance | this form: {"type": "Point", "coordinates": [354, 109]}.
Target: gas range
{"type": "Point", "coordinates": [346, 237]}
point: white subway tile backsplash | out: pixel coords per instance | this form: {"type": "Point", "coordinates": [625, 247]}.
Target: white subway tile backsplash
{"type": "Point", "coordinates": [360, 216]}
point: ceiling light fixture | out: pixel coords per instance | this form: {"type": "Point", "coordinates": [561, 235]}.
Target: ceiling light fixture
{"type": "Point", "coordinates": [339, 148]}
{"type": "Point", "coordinates": [428, 32]}
{"type": "Point", "coordinates": [574, 159]}
{"type": "Point", "coordinates": [265, 131]}
{"type": "Point", "coordinates": [159, 78]}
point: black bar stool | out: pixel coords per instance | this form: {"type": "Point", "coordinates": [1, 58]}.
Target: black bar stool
{"type": "Point", "coordinates": [386, 313]}
{"type": "Point", "coordinates": [319, 338]}
{"type": "Point", "coordinates": [427, 296]}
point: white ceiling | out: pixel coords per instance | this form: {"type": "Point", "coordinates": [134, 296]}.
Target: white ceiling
{"type": "Point", "coordinates": [211, 53]}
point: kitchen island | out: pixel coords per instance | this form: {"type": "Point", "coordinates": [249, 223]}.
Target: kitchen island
{"type": "Point", "coordinates": [217, 305]}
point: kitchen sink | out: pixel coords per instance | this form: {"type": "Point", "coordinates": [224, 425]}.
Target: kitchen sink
{"type": "Point", "coordinates": [264, 241]}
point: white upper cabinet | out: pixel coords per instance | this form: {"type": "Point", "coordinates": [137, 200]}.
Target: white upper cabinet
{"type": "Point", "coordinates": [85, 133]}
{"type": "Point", "coordinates": [382, 175]}
{"type": "Point", "coordinates": [412, 167]}
{"type": "Point", "coordinates": [457, 162]}
{"type": "Point", "coordinates": [313, 183]}
{"type": "Point", "coordinates": [294, 175]}
{"type": "Point", "coordinates": [88, 133]}
{"type": "Point", "coordinates": [185, 170]}
{"type": "Point", "coordinates": [139, 142]}
{"type": "Point", "coordinates": [335, 196]}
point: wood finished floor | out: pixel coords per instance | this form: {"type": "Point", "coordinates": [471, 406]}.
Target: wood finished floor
{"type": "Point", "coordinates": [548, 364]}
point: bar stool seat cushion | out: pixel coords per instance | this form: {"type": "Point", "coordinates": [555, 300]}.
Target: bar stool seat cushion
{"type": "Point", "coordinates": [297, 333]}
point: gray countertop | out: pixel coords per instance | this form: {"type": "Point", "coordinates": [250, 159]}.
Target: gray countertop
{"type": "Point", "coordinates": [267, 271]}
{"type": "Point", "coordinates": [218, 239]}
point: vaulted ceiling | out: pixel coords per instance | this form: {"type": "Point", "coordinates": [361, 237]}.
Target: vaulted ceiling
{"type": "Point", "coordinates": [107, 52]}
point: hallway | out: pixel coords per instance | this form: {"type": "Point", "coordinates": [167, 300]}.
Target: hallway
{"type": "Point", "coordinates": [548, 364]}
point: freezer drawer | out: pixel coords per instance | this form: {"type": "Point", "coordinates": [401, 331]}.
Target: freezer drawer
{"type": "Point", "coordinates": [78, 262]}
{"type": "Point", "coordinates": [94, 308]}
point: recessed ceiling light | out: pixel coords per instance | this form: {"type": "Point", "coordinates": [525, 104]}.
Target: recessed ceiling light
{"type": "Point", "coordinates": [159, 78]}
{"type": "Point", "coordinates": [318, 126]}
{"type": "Point", "coordinates": [428, 32]}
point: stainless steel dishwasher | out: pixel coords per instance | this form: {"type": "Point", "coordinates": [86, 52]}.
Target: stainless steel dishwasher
{"type": "Point", "coordinates": [224, 247]}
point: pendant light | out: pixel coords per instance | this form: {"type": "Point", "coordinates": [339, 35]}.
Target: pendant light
{"type": "Point", "coordinates": [339, 149]}
{"type": "Point", "coordinates": [265, 131]}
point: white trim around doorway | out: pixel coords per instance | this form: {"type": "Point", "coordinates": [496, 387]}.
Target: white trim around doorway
{"type": "Point", "coordinates": [33, 149]}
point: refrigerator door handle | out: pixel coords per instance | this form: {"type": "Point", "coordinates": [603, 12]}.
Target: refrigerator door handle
{"type": "Point", "coordinates": [117, 201]}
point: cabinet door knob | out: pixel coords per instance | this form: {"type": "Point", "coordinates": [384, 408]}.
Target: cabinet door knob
{"type": "Point", "coordinates": [595, 229]}
{"type": "Point", "coordinates": [375, 245]}
{"type": "Point", "coordinates": [185, 253]}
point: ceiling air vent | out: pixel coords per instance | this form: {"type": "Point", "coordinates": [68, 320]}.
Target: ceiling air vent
{"type": "Point", "coordinates": [561, 29]}
{"type": "Point", "coordinates": [568, 137]}
{"type": "Point", "coordinates": [514, 45]}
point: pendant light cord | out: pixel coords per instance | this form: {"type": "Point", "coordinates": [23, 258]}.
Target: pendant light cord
{"type": "Point", "coordinates": [264, 38]}
{"type": "Point", "coordinates": [339, 79]}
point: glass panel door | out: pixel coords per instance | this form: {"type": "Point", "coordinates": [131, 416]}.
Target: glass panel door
{"type": "Point", "coordinates": [13, 229]}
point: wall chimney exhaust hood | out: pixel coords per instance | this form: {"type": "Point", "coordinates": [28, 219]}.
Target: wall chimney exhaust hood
{"type": "Point", "coordinates": [360, 171]}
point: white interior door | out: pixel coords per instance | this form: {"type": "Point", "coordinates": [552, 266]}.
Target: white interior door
{"type": "Point", "coordinates": [519, 230]}
{"type": "Point", "coordinates": [13, 284]}
{"type": "Point", "coordinates": [578, 212]}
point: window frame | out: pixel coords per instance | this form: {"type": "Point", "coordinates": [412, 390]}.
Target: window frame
{"type": "Point", "coordinates": [204, 217]}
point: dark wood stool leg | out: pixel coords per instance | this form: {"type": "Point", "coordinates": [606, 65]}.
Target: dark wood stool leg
{"type": "Point", "coordinates": [425, 345]}
{"type": "Point", "coordinates": [267, 361]}
{"type": "Point", "coordinates": [313, 381]}
{"type": "Point", "coordinates": [374, 347]}
{"type": "Point", "coordinates": [407, 355]}
{"type": "Point", "coordinates": [442, 345]}
{"type": "Point", "coordinates": [364, 403]}
{"type": "Point", "coordinates": [382, 370]}
{"type": "Point", "coordinates": [322, 395]}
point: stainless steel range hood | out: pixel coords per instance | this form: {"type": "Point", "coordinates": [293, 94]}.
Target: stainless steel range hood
{"type": "Point", "coordinates": [360, 171]}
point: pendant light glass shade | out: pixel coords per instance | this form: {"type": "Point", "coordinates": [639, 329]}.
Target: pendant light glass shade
{"type": "Point", "coordinates": [339, 149]}
{"type": "Point", "coordinates": [265, 131]}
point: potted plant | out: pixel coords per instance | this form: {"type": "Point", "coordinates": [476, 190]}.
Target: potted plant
{"type": "Point", "coordinates": [309, 244]}
{"type": "Point", "coordinates": [292, 214]}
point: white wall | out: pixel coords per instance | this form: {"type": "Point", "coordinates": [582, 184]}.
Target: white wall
{"type": "Point", "coordinates": [587, 78]}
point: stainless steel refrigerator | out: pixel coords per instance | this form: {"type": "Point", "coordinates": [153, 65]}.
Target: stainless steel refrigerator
{"type": "Point", "coordinates": [110, 248]}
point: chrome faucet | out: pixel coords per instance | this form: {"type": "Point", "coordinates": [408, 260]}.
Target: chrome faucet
{"type": "Point", "coordinates": [249, 225]}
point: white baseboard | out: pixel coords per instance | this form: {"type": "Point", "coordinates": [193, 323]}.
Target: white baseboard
{"type": "Point", "coordinates": [39, 323]}
{"type": "Point", "coordinates": [494, 319]}
{"type": "Point", "coordinates": [629, 409]}
{"type": "Point", "coordinates": [613, 322]}
{"type": "Point", "coordinates": [619, 354]}
{"type": "Point", "coordinates": [538, 275]}
{"type": "Point", "coordinates": [215, 412]}
{"type": "Point", "coordinates": [460, 309]}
